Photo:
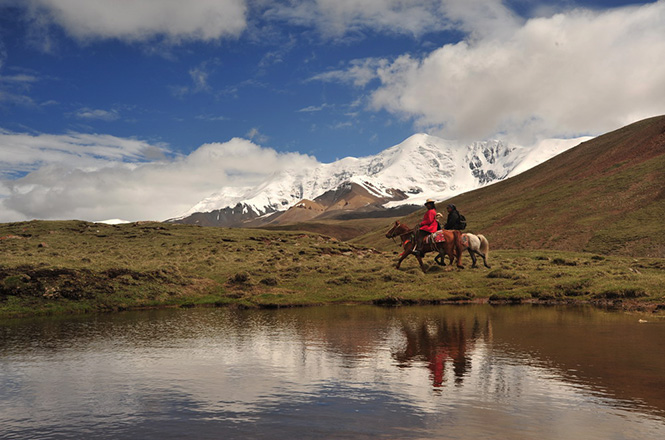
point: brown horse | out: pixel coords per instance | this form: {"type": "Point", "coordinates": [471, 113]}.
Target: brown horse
{"type": "Point", "coordinates": [450, 244]}
{"type": "Point", "coordinates": [475, 244]}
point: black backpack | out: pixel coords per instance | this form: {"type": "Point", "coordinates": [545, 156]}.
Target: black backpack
{"type": "Point", "coordinates": [462, 222]}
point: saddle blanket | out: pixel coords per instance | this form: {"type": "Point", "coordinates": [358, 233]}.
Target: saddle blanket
{"type": "Point", "coordinates": [437, 237]}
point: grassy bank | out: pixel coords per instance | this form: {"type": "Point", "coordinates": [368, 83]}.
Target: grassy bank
{"type": "Point", "coordinates": [76, 267]}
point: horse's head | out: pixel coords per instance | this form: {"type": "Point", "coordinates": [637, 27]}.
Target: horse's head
{"type": "Point", "coordinates": [397, 229]}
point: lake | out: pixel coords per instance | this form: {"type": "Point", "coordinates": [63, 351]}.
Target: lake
{"type": "Point", "coordinates": [356, 372]}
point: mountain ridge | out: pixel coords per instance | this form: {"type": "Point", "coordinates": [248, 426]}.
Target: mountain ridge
{"type": "Point", "coordinates": [606, 195]}
{"type": "Point", "coordinates": [420, 167]}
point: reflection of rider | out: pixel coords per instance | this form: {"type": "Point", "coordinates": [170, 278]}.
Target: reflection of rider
{"type": "Point", "coordinates": [440, 343]}
{"type": "Point", "coordinates": [427, 226]}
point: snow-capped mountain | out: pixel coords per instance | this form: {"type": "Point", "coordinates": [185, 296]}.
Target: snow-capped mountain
{"type": "Point", "coordinates": [419, 168]}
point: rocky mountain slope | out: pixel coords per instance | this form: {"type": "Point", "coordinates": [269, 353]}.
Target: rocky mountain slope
{"type": "Point", "coordinates": [421, 167]}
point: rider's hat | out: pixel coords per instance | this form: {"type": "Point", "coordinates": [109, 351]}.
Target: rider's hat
{"type": "Point", "coordinates": [429, 201]}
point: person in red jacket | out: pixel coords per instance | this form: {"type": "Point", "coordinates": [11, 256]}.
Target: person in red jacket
{"type": "Point", "coordinates": [428, 226]}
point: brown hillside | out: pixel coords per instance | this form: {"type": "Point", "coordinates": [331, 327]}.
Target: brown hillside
{"type": "Point", "coordinates": [606, 195]}
{"type": "Point", "coordinates": [303, 211]}
{"type": "Point", "coordinates": [348, 199]}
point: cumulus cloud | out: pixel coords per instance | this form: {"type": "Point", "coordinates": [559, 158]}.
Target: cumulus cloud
{"type": "Point", "coordinates": [23, 153]}
{"type": "Point", "coordinates": [98, 177]}
{"type": "Point", "coordinates": [142, 20]}
{"type": "Point", "coordinates": [572, 73]}
{"type": "Point", "coordinates": [481, 18]}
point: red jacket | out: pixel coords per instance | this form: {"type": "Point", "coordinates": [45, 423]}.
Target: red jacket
{"type": "Point", "coordinates": [429, 221]}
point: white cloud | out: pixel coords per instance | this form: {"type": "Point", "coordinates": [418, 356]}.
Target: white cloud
{"type": "Point", "coordinates": [199, 76]}
{"type": "Point", "coordinates": [142, 20]}
{"type": "Point", "coordinates": [573, 73]}
{"type": "Point", "coordinates": [21, 78]}
{"type": "Point", "coordinates": [314, 108]}
{"type": "Point", "coordinates": [255, 135]}
{"type": "Point", "coordinates": [23, 153]}
{"type": "Point", "coordinates": [481, 18]}
{"type": "Point", "coordinates": [359, 73]}
{"type": "Point", "coordinates": [98, 177]}
{"type": "Point", "coordinates": [211, 118]}
{"type": "Point", "coordinates": [336, 18]}
{"type": "Point", "coordinates": [200, 79]}
{"type": "Point", "coordinates": [14, 86]}
{"type": "Point", "coordinates": [102, 115]}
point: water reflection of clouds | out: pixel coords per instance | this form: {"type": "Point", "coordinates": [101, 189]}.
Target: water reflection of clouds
{"type": "Point", "coordinates": [247, 372]}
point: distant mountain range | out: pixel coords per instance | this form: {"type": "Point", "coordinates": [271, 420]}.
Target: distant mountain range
{"type": "Point", "coordinates": [394, 182]}
{"type": "Point", "coordinates": [605, 196]}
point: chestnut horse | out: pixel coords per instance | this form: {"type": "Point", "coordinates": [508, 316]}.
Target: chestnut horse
{"type": "Point", "coordinates": [451, 246]}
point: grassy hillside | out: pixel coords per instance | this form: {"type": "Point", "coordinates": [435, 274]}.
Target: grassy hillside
{"type": "Point", "coordinates": [344, 230]}
{"type": "Point", "coordinates": [74, 266]}
{"type": "Point", "coordinates": [605, 196]}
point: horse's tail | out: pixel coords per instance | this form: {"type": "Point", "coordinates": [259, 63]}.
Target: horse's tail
{"type": "Point", "coordinates": [484, 245]}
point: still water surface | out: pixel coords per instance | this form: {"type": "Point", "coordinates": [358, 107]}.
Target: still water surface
{"type": "Point", "coordinates": [466, 372]}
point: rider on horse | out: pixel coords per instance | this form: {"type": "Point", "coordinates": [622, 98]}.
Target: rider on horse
{"type": "Point", "coordinates": [428, 226]}
{"type": "Point", "coordinates": [453, 220]}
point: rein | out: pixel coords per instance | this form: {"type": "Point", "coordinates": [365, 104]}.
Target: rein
{"type": "Point", "coordinates": [408, 232]}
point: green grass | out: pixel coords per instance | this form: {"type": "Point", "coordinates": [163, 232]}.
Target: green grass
{"type": "Point", "coordinates": [80, 267]}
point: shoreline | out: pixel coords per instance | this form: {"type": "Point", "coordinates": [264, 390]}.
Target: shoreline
{"type": "Point", "coordinates": [642, 308]}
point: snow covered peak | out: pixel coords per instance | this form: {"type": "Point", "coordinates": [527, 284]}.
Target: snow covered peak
{"type": "Point", "coordinates": [422, 167]}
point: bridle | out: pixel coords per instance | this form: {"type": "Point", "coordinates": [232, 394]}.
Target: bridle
{"type": "Point", "coordinates": [392, 233]}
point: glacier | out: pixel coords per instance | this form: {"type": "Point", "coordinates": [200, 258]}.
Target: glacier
{"type": "Point", "coordinates": [422, 166]}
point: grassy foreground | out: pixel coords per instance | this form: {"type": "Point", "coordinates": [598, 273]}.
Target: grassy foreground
{"type": "Point", "coordinates": [78, 267]}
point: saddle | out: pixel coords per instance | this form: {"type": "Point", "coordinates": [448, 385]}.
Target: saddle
{"type": "Point", "coordinates": [436, 237]}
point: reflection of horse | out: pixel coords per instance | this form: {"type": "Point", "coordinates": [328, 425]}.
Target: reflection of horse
{"type": "Point", "coordinates": [476, 245]}
{"type": "Point", "coordinates": [440, 343]}
{"type": "Point", "coordinates": [443, 242]}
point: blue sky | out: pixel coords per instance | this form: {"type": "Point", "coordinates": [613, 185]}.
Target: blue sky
{"type": "Point", "coordinates": [138, 109]}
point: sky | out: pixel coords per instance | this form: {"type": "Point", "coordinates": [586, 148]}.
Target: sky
{"type": "Point", "coordinates": [139, 109]}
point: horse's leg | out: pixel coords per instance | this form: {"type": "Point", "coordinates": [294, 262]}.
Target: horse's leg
{"type": "Point", "coordinates": [472, 254]}
{"type": "Point", "coordinates": [408, 248]}
{"type": "Point", "coordinates": [399, 262]}
{"type": "Point", "coordinates": [440, 258]}
{"type": "Point", "coordinates": [422, 265]}
{"type": "Point", "coordinates": [404, 254]}
{"type": "Point", "coordinates": [451, 251]}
